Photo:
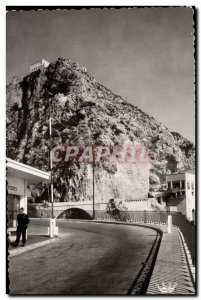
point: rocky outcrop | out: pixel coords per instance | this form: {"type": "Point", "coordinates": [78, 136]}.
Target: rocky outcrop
{"type": "Point", "coordinates": [84, 113]}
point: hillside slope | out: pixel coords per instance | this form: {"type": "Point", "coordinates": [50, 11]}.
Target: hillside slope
{"type": "Point", "coordinates": [84, 113]}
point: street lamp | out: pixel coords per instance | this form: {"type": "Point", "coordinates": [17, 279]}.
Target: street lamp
{"type": "Point", "coordinates": [52, 228]}
{"type": "Point", "coordinates": [93, 181]}
{"type": "Point", "coordinates": [51, 177]}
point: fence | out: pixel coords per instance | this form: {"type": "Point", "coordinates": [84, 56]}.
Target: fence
{"type": "Point", "coordinates": [188, 230]}
{"type": "Point", "coordinates": [133, 216]}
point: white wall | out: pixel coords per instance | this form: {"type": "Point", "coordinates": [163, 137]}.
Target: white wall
{"type": "Point", "coordinates": [15, 186]}
{"type": "Point", "coordinates": [188, 203]}
{"type": "Point", "coordinates": [45, 63]}
{"type": "Point", "coordinates": [18, 186]}
{"type": "Point", "coordinates": [190, 199]}
{"type": "Point", "coordinates": [38, 65]}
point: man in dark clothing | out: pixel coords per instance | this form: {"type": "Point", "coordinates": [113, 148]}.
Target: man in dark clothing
{"type": "Point", "coordinates": [22, 225]}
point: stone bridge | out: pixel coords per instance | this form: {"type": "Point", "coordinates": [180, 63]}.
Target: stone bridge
{"type": "Point", "coordinates": [82, 209]}
{"type": "Point", "coordinates": [60, 209]}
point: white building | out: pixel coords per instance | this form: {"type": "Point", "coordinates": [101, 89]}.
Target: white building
{"type": "Point", "coordinates": [41, 64]}
{"type": "Point", "coordinates": [182, 193]}
{"type": "Point", "coordinates": [19, 177]}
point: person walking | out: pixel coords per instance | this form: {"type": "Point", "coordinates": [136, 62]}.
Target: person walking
{"type": "Point", "coordinates": [22, 225]}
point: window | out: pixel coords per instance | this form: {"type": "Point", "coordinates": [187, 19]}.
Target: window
{"type": "Point", "coordinates": [188, 185]}
{"type": "Point", "coordinates": [176, 184]}
{"type": "Point", "coordinates": [12, 208]}
{"type": "Point", "coordinates": [192, 193]}
{"type": "Point", "coordinates": [183, 184]}
{"type": "Point", "coordinates": [169, 185]}
{"type": "Point", "coordinates": [192, 185]}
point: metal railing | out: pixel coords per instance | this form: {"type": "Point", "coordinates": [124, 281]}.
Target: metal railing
{"type": "Point", "coordinates": [188, 230]}
{"type": "Point", "coordinates": [134, 216]}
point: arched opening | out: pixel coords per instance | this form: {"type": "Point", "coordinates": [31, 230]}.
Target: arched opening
{"type": "Point", "coordinates": [75, 213]}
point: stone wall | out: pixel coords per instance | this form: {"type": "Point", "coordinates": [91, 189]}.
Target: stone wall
{"type": "Point", "coordinates": [127, 182]}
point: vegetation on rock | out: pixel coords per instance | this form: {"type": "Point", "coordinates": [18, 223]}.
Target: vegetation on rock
{"type": "Point", "coordinates": [84, 113]}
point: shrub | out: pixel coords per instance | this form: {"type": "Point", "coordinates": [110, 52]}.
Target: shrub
{"type": "Point", "coordinates": [117, 212]}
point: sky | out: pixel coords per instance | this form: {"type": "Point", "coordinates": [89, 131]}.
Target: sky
{"type": "Point", "coordinates": [145, 55]}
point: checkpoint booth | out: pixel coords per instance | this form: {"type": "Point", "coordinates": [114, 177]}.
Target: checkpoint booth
{"type": "Point", "coordinates": [19, 177]}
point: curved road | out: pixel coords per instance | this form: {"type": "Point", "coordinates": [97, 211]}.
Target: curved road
{"type": "Point", "coordinates": [92, 258]}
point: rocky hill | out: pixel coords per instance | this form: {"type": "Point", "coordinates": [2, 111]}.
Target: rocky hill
{"type": "Point", "coordinates": [84, 113]}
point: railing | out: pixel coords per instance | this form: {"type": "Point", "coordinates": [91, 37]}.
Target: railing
{"type": "Point", "coordinates": [188, 230]}
{"type": "Point", "coordinates": [134, 216]}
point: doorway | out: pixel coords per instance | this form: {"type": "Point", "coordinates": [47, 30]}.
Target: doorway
{"type": "Point", "coordinates": [13, 206]}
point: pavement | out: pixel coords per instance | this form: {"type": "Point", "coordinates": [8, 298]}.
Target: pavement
{"type": "Point", "coordinates": [172, 267]}
{"type": "Point", "coordinates": [34, 241]}
{"type": "Point", "coordinates": [172, 273]}
{"type": "Point", "coordinates": [36, 238]}
{"type": "Point", "coordinates": [93, 259]}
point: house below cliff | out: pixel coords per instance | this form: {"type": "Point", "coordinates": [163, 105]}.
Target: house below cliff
{"type": "Point", "coordinates": [182, 193]}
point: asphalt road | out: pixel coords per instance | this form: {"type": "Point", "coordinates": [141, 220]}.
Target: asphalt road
{"type": "Point", "coordinates": [93, 259]}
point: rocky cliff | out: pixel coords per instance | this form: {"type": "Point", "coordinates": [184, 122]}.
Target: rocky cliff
{"type": "Point", "coordinates": [84, 113]}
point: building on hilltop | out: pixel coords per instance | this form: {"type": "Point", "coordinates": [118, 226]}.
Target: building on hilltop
{"type": "Point", "coordinates": [181, 193]}
{"type": "Point", "coordinates": [41, 64]}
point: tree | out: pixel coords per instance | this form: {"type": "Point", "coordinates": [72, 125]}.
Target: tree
{"type": "Point", "coordinates": [116, 211]}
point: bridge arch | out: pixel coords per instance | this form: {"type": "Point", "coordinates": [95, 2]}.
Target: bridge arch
{"type": "Point", "coordinates": [75, 213]}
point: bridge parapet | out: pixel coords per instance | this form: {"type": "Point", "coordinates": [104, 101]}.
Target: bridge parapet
{"type": "Point", "coordinates": [44, 210]}
{"type": "Point", "coordinates": [84, 205]}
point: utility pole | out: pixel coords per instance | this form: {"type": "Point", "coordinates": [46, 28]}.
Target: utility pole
{"type": "Point", "coordinates": [51, 177]}
{"type": "Point", "coordinates": [93, 180]}
{"type": "Point", "coordinates": [53, 230]}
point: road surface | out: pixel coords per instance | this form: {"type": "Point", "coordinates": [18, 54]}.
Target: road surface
{"type": "Point", "coordinates": [93, 259]}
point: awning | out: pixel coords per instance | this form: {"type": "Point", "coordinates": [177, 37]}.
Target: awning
{"type": "Point", "coordinates": [19, 170]}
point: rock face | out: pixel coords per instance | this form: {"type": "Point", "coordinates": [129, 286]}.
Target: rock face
{"type": "Point", "coordinates": [86, 113]}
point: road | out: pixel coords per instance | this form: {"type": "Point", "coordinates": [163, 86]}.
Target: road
{"type": "Point", "coordinates": [93, 259]}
